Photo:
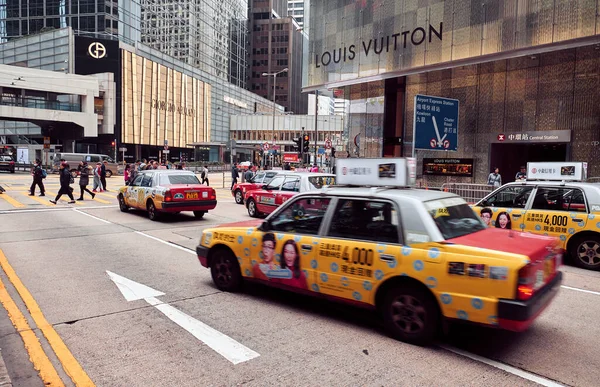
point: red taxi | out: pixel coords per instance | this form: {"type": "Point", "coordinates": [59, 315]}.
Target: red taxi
{"type": "Point", "coordinates": [167, 191]}
{"type": "Point", "coordinates": [283, 186]}
{"type": "Point", "coordinates": [261, 178]}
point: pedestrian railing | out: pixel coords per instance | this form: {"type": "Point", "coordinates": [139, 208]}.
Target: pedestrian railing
{"type": "Point", "coordinates": [593, 179]}
{"type": "Point", "coordinates": [470, 192]}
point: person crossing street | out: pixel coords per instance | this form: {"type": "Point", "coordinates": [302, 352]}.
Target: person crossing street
{"type": "Point", "coordinates": [65, 184]}
{"type": "Point", "coordinates": [84, 180]}
{"type": "Point", "coordinates": [38, 177]}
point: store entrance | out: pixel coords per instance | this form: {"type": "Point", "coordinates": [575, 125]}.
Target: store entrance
{"type": "Point", "coordinates": [510, 157]}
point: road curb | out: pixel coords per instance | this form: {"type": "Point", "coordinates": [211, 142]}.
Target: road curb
{"type": "Point", "coordinates": [4, 378]}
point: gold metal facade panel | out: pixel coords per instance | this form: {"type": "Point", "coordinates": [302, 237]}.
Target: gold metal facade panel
{"type": "Point", "coordinates": [159, 103]}
{"type": "Point", "coordinates": [388, 36]}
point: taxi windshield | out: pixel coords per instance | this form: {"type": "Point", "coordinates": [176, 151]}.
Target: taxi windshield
{"type": "Point", "coordinates": [179, 179]}
{"type": "Point", "coordinates": [453, 217]}
{"type": "Point", "coordinates": [321, 181]}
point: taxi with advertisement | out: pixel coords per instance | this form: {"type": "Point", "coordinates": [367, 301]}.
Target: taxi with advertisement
{"type": "Point", "coordinates": [418, 257]}
{"type": "Point", "coordinates": [258, 180]}
{"type": "Point", "coordinates": [281, 188]}
{"type": "Point", "coordinates": [161, 191]}
{"type": "Point", "coordinates": [553, 201]}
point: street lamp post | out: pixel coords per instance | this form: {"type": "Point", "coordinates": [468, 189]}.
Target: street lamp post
{"type": "Point", "coordinates": [274, 93]}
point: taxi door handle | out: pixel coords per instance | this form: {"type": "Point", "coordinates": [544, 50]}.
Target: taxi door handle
{"type": "Point", "coordinates": [307, 247]}
{"type": "Point", "coordinates": [516, 216]}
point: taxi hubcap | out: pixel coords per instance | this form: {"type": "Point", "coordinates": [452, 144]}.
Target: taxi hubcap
{"type": "Point", "coordinates": [223, 270]}
{"type": "Point", "coordinates": [589, 252]}
{"type": "Point", "coordinates": [251, 207]}
{"type": "Point", "coordinates": [408, 314]}
{"type": "Point", "coordinates": [238, 196]}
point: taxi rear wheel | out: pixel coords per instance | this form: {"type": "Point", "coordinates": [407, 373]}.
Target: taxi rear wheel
{"type": "Point", "coordinates": [410, 315]}
{"type": "Point", "coordinates": [252, 211]}
{"type": "Point", "coordinates": [239, 198]}
{"type": "Point", "coordinates": [122, 205]}
{"type": "Point", "coordinates": [152, 213]}
{"type": "Point", "coordinates": [585, 252]}
{"type": "Point", "coordinates": [225, 270]}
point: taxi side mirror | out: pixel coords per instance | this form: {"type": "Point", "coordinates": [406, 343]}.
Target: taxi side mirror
{"type": "Point", "coordinates": [265, 187]}
{"type": "Point", "coordinates": [264, 226]}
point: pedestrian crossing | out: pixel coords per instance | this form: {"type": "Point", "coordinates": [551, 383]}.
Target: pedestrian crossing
{"type": "Point", "coordinates": [17, 197]}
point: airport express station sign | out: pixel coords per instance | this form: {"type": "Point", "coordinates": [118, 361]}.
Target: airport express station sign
{"type": "Point", "coordinates": [435, 123]}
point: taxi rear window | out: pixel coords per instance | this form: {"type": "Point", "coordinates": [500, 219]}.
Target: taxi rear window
{"type": "Point", "coordinates": [321, 181]}
{"type": "Point", "coordinates": [179, 179]}
{"type": "Point", "coordinates": [454, 217]}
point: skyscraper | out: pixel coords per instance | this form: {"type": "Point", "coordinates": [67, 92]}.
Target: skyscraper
{"type": "Point", "coordinates": [296, 10]}
{"type": "Point", "coordinates": [276, 44]}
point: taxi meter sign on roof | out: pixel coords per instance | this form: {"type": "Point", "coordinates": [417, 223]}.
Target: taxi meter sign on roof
{"type": "Point", "coordinates": [568, 171]}
{"type": "Point", "coordinates": [399, 172]}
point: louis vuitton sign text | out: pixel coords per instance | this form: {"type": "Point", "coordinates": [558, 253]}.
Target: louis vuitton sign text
{"type": "Point", "coordinates": [376, 46]}
{"type": "Point", "coordinates": [171, 107]}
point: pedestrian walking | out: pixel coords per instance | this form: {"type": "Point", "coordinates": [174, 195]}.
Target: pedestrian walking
{"type": "Point", "coordinates": [133, 171]}
{"type": "Point", "coordinates": [494, 178]}
{"type": "Point", "coordinates": [97, 180]}
{"type": "Point", "coordinates": [234, 175]}
{"type": "Point", "coordinates": [65, 184]}
{"type": "Point", "coordinates": [39, 174]}
{"type": "Point", "coordinates": [248, 175]}
{"type": "Point", "coordinates": [204, 175]}
{"type": "Point", "coordinates": [103, 175]}
{"type": "Point", "coordinates": [126, 173]}
{"type": "Point", "coordinates": [84, 180]}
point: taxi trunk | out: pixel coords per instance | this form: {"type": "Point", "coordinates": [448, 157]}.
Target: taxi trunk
{"type": "Point", "coordinates": [187, 197]}
{"type": "Point", "coordinates": [538, 279]}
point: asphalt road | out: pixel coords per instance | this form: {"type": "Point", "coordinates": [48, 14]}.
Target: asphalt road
{"type": "Point", "coordinates": [57, 257]}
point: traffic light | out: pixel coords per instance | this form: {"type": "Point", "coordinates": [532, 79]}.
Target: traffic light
{"type": "Point", "coordinates": [297, 144]}
{"type": "Point", "coordinates": [306, 142]}
{"type": "Point", "coordinates": [112, 144]}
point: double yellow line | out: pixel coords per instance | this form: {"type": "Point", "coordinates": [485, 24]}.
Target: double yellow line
{"type": "Point", "coordinates": [37, 356]}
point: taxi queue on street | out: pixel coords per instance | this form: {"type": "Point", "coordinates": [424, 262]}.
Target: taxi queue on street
{"type": "Point", "coordinates": [419, 257]}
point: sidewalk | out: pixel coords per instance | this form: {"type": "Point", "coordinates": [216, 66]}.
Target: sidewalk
{"type": "Point", "coordinates": [4, 378]}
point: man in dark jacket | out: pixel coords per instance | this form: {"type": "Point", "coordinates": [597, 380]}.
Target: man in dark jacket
{"type": "Point", "coordinates": [38, 176]}
{"type": "Point", "coordinates": [103, 175]}
{"type": "Point", "coordinates": [65, 181]}
{"type": "Point", "coordinates": [234, 175]}
{"type": "Point", "coordinates": [84, 179]}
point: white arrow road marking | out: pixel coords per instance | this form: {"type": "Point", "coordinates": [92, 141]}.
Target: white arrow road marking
{"type": "Point", "coordinates": [437, 132]}
{"type": "Point", "coordinates": [219, 342]}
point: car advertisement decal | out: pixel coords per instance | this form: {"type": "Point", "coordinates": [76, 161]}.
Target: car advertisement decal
{"type": "Point", "coordinates": [178, 196]}
{"type": "Point", "coordinates": [267, 200]}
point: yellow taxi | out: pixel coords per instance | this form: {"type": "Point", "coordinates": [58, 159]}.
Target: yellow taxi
{"type": "Point", "coordinates": [553, 201]}
{"type": "Point", "coordinates": [418, 257]}
{"type": "Point", "coordinates": [161, 191]}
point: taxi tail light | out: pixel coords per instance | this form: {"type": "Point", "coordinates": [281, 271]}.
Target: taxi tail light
{"type": "Point", "coordinates": [168, 196]}
{"type": "Point", "coordinates": [213, 195]}
{"type": "Point", "coordinates": [525, 284]}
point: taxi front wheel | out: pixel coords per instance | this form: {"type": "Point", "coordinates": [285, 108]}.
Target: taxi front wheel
{"type": "Point", "coordinates": [225, 270]}
{"type": "Point", "coordinates": [239, 197]}
{"type": "Point", "coordinates": [410, 315]}
{"type": "Point", "coordinates": [585, 251]}
{"type": "Point", "coordinates": [252, 211]}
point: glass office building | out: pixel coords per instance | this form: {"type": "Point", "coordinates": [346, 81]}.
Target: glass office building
{"type": "Point", "coordinates": [526, 76]}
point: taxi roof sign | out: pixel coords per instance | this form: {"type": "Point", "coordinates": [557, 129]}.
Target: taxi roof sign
{"type": "Point", "coordinates": [557, 171]}
{"type": "Point", "coordinates": [396, 172]}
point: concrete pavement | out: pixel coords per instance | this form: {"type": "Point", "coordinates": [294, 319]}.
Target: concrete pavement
{"type": "Point", "coordinates": [61, 257]}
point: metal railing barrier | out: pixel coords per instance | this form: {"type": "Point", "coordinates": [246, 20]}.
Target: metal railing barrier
{"type": "Point", "coordinates": [470, 192]}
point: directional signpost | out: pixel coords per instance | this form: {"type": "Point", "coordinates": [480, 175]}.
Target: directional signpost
{"type": "Point", "coordinates": [223, 344]}
{"type": "Point", "coordinates": [435, 124]}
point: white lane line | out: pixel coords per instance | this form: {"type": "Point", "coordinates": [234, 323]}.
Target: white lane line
{"type": "Point", "coordinates": [504, 367]}
{"type": "Point", "coordinates": [6, 212]}
{"type": "Point", "coordinates": [580, 290]}
{"type": "Point", "coordinates": [167, 243]}
{"type": "Point", "coordinates": [92, 216]}
{"type": "Point", "coordinates": [219, 342]}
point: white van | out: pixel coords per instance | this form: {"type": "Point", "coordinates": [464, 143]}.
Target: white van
{"type": "Point", "coordinates": [91, 158]}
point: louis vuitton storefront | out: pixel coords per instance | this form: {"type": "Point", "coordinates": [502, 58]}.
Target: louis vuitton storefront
{"type": "Point", "coordinates": [526, 78]}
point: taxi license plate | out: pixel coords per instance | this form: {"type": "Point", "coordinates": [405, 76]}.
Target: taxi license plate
{"type": "Point", "coordinates": [191, 196]}
{"type": "Point", "coordinates": [539, 279]}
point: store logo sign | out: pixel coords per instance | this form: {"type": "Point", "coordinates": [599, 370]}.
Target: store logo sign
{"type": "Point", "coordinates": [97, 50]}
